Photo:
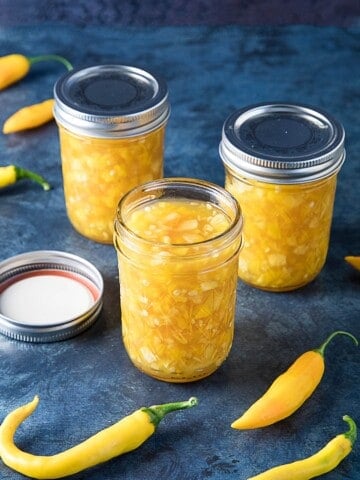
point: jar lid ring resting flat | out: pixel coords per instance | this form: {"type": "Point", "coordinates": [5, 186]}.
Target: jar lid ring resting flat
{"type": "Point", "coordinates": [282, 143]}
{"type": "Point", "coordinates": [111, 101]}
{"type": "Point", "coordinates": [61, 296]}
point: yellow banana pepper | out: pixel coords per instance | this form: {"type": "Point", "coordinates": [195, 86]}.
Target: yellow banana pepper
{"type": "Point", "coordinates": [29, 117]}
{"type": "Point", "coordinates": [353, 261]}
{"type": "Point", "coordinates": [289, 391]}
{"type": "Point", "coordinates": [121, 437]}
{"type": "Point", "coordinates": [321, 462]}
{"type": "Point", "coordinates": [16, 66]}
{"type": "Point", "coordinates": [11, 174]}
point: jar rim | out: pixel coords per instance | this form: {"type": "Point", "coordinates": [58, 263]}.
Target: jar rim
{"type": "Point", "coordinates": [235, 226]}
{"type": "Point", "coordinates": [281, 142]}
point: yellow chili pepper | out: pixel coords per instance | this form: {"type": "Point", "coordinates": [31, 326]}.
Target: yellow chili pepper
{"type": "Point", "coordinates": [16, 66]}
{"type": "Point", "coordinates": [353, 261]}
{"type": "Point", "coordinates": [121, 437]}
{"type": "Point", "coordinates": [11, 174]}
{"type": "Point", "coordinates": [289, 391]}
{"type": "Point", "coordinates": [321, 462]}
{"type": "Point", "coordinates": [29, 117]}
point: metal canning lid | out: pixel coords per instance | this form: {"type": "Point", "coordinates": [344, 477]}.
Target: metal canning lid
{"type": "Point", "coordinates": [282, 143]}
{"type": "Point", "coordinates": [111, 101]}
{"type": "Point", "coordinates": [47, 296]}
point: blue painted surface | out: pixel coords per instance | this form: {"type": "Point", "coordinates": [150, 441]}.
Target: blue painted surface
{"type": "Point", "coordinates": [88, 382]}
{"type": "Point", "coordinates": [342, 13]}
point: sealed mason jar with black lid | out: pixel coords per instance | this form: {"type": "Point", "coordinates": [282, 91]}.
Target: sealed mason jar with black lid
{"type": "Point", "coordinates": [281, 162]}
{"type": "Point", "coordinates": [111, 122]}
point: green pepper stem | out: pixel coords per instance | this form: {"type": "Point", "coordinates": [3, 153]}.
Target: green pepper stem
{"type": "Point", "coordinates": [158, 412]}
{"type": "Point", "coordinates": [56, 58]}
{"type": "Point", "coordinates": [322, 347]}
{"type": "Point", "coordinates": [23, 173]}
{"type": "Point", "coordinates": [351, 434]}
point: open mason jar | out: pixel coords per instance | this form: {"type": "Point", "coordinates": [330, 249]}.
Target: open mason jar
{"type": "Point", "coordinates": [111, 122]}
{"type": "Point", "coordinates": [281, 163]}
{"type": "Point", "coordinates": [178, 242]}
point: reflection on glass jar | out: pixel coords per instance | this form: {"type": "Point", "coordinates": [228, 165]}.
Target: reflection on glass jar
{"type": "Point", "coordinates": [111, 126]}
{"type": "Point", "coordinates": [178, 242]}
{"type": "Point", "coordinates": [281, 165]}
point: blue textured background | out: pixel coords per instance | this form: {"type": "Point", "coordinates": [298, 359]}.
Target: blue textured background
{"type": "Point", "coordinates": [343, 13]}
{"type": "Point", "coordinates": [87, 383]}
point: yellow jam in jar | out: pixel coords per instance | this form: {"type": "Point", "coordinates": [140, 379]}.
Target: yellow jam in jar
{"type": "Point", "coordinates": [111, 122]}
{"type": "Point", "coordinates": [97, 172]}
{"type": "Point", "coordinates": [281, 163]}
{"type": "Point", "coordinates": [286, 236]}
{"type": "Point", "coordinates": [178, 262]}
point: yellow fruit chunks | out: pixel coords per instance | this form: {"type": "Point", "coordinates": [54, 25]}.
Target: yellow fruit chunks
{"type": "Point", "coordinates": [97, 172]}
{"type": "Point", "coordinates": [178, 297]}
{"type": "Point", "coordinates": [178, 222]}
{"type": "Point", "coordinates": [286, 231]}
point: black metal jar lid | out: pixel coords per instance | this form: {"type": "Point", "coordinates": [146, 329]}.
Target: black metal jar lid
{"type": "Point", "coordinates": [47, 296]}
{"type": "Point", "coordinates": [282, 143]}
{"type": "Point", "coordinates": [110, 101]}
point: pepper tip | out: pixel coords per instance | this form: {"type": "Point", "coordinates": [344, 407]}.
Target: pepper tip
{"type": "Point", "coordinates": [235, 425]}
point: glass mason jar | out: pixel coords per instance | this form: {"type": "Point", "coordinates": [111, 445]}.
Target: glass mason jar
{"type": "Point", "coordinates": [281, 163]}
{"type": "Point", "coordinates": [111, 122]}
{"type": "Point", "coordinates": [177, 242]}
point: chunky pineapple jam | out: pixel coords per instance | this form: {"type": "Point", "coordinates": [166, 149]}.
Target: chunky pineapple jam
{"type": "Point", "coordinates": [178, 287]}
{"type": "Point", "coordinates": [98, 171]}
{"type": "Point", "coordinates": [286, 231]}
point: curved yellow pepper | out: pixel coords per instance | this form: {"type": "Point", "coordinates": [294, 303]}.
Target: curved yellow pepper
{"type": "Point", "coordinates": [121, 437]}
{"type": "Point", "coordinates": [289, 391]}
{"type": "Point", "coordinates": [321, 462]}
{"type": "Point", "coordinates": [29, 117]}
{"type": "Point", "coordinates": [16, 66]}
{"type": "Point", "coordinates": [354, 261]}
{"type": "Point", "coordinates": [10, 174]}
